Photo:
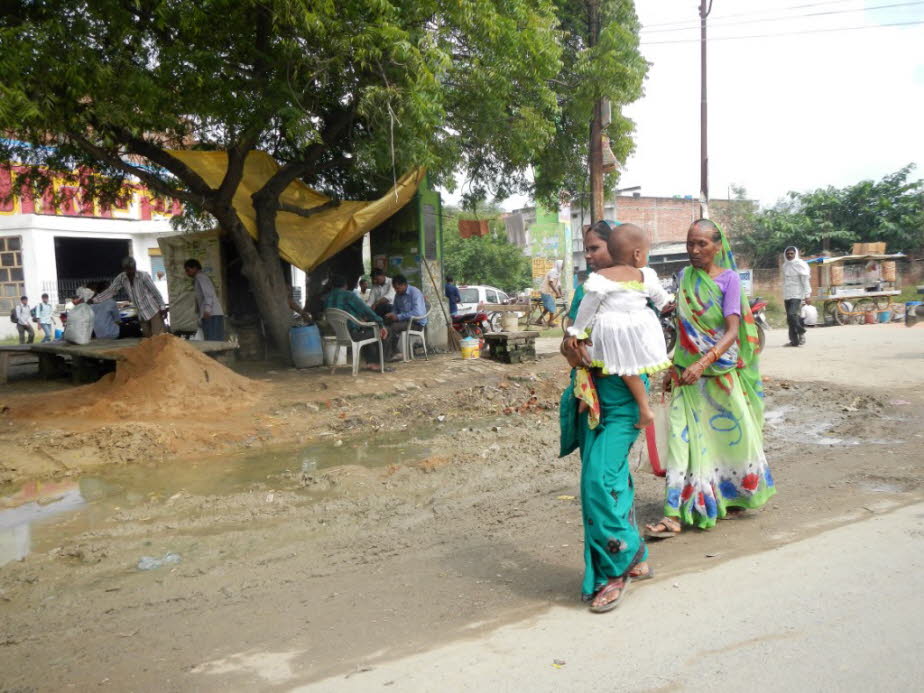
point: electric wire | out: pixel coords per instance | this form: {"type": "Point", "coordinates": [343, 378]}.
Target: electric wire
{"type": "Point", "coordinates": [714, 24]}
{"type": "Point", "coordinates": [782, 33]}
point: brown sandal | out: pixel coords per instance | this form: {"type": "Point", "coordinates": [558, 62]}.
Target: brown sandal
{"type": "Point", "coordinates": [621, 584]}
{"type": "Point", "coordinates": [670, 525]}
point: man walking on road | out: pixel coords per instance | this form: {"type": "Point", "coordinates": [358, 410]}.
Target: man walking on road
{"type": "Point", "coordinates": [142, 293]}
{"type": "Point", "coordinates": [797, 288]}
{"type": "Point", "coordinates": [24, 321]}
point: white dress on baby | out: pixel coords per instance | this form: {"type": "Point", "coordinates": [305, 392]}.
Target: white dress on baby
{"type": "Point", "coordinates": [625, 333]}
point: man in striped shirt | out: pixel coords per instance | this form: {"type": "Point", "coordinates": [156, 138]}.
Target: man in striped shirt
{"type": "Point", "coordinates": [142, 293]}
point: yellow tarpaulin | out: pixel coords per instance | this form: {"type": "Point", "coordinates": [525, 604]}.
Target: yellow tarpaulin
{"type": "Point", "coordinates": [304, 242]}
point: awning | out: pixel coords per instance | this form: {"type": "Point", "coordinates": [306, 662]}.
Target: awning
{"type": "Point", "coordinates": [305, 242]}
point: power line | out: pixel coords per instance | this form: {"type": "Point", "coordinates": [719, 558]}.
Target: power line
{"type": "Point", "coordinates": [751, 14]}
{"type": "Point", "coordinates": [791, 17]}
{"type": "Point", "coordinates": [783, 33]}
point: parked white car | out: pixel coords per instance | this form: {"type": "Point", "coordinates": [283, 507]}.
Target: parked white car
{"type": "Point", "coordinates": [473, 296]}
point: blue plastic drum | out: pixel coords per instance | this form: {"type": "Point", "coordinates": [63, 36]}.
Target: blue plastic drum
{"type": "Point", "coordinates": [307, 349]}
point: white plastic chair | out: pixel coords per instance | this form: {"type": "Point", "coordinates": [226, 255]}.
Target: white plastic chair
{"type": "Point", "coordinates": [406, 346]}
{"type": "Point", "coordinates": [340, 321]}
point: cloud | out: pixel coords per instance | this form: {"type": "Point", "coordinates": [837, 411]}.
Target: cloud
{"type": "Point", "coordinates": [788, 112]}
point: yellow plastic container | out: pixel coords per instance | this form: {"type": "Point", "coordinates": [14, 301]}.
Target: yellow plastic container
{"type": "Point", "coordinates": [470, 348]}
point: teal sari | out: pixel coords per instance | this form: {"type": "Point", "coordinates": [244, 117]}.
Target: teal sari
{"type": "Point", "coordinates": [612, 545]}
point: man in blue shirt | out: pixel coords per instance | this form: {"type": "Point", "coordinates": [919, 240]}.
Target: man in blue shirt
{"type": "Point", "coordinates": [409, 303]}
{"type": "Point", "coordinates": [452, 293]}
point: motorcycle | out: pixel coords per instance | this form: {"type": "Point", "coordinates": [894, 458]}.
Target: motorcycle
{"type": "Point", "coordinates": [758, 310]}
{"type": "Point", "coordinates": [475, 325]}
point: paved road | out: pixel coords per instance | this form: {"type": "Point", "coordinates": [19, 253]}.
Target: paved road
{"type": "Point", "coordinates": [880, 356]}
{"type": "Point", "coordinates": [839, 611]}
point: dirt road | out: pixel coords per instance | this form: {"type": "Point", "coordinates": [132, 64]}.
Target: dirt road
{"type": "Point", "coordinates": [430, 511]}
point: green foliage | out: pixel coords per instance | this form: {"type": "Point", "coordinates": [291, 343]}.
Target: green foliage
{"type": "Point", "coordinates": [491, 259]}
{"type": "Point", "coordinates": [453, 86]}
{"type": "Point", "coordinates": [613, 69]}
{"type": "Point", "coordinates": [344, 94]}
{"type": "Point", "coordinates": [890, 210]}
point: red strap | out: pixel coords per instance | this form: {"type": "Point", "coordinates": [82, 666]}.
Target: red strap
{"type": "Point", "coordinates": [653, 456]}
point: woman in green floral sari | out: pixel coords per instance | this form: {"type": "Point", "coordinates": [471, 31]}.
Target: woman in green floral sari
{"type": "Point", "coordinates": [716, 464]}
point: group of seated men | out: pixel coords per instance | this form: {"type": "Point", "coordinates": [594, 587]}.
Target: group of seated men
{"type": "Point", "coordinates": [389, 303]}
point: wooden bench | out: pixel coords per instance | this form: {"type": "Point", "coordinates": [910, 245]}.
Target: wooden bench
{"type": "Point", "coordinates": [511, 347]}
{"type": "Point", "coordinates": [90, 361]}
{"type": "Point", "coordinates": [9, 353]}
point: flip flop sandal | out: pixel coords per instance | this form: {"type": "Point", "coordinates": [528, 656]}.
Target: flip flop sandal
{"type": "Point", "coordinates": [610, 587]}
{"type": "Point", "coordinates": [667, 534]}
{"type": "Point", "coordinates": [644, 576]}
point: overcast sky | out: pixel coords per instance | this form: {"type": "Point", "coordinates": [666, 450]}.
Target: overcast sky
{"type": "Point", "coordinates": [792, 112]}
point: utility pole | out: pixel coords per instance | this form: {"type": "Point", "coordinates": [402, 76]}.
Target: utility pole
{"type": "Point", "coordinates": [705, 7]}
{"type": "Point", "coordinates": [596, 126]}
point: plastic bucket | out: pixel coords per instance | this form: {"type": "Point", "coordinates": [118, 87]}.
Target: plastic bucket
{"type": "Point", "coordinates": [884, 315]}
{"type": "Point", "coordinates": [333, 353]}
{"type": "Point", "coordinates": [305, 343]}
{"type": "Point", "coordinates": [59, 334]}
{"type": "Point", "coordinates": [470, 348]}
{"type": "Point", "coordinates": [869, 318]}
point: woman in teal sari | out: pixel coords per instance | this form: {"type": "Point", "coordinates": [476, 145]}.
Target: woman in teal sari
{"type": "Point", "coordinates": [614, 553]}
{"type": "Point", "coordinates": [715, 464]}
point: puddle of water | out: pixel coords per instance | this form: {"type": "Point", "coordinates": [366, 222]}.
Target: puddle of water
{"type": "Point", "coordinates": [784, 418]}
{"type": "Point", "coordinates": [40, 515]}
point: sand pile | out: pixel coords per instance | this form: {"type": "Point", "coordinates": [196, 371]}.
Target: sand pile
{"type": "Point", "coordinates": [162, 378]}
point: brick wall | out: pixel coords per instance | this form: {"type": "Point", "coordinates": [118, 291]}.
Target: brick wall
{"type": "Point", "coordinates": [666, 218]}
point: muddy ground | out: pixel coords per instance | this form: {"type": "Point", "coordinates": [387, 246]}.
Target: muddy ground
{"type": "Point", "coordinates": [356, 522]}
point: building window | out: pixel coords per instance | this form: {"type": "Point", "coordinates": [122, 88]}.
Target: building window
{"type": "Point", "coordinates": [12, 279]}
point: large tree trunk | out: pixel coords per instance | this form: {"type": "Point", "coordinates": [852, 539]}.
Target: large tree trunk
{"type": "Point", "coordinates": [264, 273]}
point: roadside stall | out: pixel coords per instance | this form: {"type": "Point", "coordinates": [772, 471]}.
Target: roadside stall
{"type": "Point", "coordinates": [859, 288]}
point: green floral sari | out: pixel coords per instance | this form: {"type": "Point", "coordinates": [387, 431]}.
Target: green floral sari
{"type": "Point", "coordinates": [715, 451]}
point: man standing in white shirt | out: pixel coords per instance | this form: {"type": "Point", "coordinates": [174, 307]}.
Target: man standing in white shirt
{"type": "Point", "coordinates": [797, 289]}
{"type": "Point", "coordinates": [43, 312]}
{"type": "Point", "coordinates": [24, 321]}
{"type": "Point", "coordinates": [211, 316]}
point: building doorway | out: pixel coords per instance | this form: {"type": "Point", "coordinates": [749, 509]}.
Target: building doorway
{"type": "Point", "coordinates": [81, 261]}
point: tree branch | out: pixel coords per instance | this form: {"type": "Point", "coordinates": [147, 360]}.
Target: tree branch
{"type": "Point", "coordinates": [310, 212]}
{"type": "Point", "coordinates": [152, 180]}
{"type": "Point", "coordinates": [162, 158]}
{"type": "Point", "coordinates": [333, 129]}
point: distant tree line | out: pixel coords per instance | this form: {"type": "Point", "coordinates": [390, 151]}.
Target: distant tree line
{"type": "Point", "coordinates": [890, 210]}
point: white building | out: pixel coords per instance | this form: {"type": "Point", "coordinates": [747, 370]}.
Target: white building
{"type": "Point", "coordinates": [52, 247]}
